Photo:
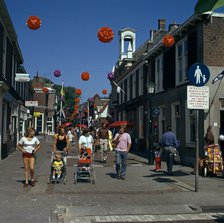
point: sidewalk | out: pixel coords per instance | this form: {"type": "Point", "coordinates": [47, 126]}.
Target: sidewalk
{"type": "Point", "coordinates": [144, 192]}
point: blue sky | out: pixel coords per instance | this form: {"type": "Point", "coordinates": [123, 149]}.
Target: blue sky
{"type": "Point", "coordinates": [67, 39]}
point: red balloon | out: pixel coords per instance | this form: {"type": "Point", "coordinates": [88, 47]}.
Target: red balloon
{"type": "Point", "coordinates": [85, 76]}
{"type": "Point", "coordinates": [168, 40]}
{"type": "Point", "coordinates": [33, 22]}
{"type": "Point", "coordinates": [105, 34]}
{"type": "Point", "coordinates": [78, 91]}
{"type": "Point", "coordinates": [45, 89]}
{"type": "Point", "coordinates": [104, 91]}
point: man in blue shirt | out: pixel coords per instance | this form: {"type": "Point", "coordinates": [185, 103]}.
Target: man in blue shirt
{"type": "Point", "coordinates": [169, 143]}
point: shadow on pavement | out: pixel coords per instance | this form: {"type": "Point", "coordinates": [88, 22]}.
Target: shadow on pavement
{"type": "Point", "coordinates": [164, 180]}
{"type": "Point", "coordinates": [112, 175]}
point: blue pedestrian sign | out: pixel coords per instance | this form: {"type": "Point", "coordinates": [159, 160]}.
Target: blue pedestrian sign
{"type": "Point", "coordinates": [198, 74]}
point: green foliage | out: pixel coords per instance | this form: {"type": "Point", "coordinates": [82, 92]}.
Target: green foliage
{"type": "Point", "coordinates": [70, 96]}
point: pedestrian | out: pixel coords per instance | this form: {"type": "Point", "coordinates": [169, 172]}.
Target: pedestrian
{"type": "Point", "coordinates": [103, 139]}
{"type": "Point", "coordinates": [29, 145]}
{"type": "Point", "coordinates": [169, 144]}
{"type": "Point", "coordinates": [61, 141]}
{"type": "Point", "coordinates": [86, 140]}
{"type": "Point", "coordinates": [209, 137]}
{"type": "Point", "coordinates": [123, 144]}
{"type": "Point", "coordinates": [70, 137]}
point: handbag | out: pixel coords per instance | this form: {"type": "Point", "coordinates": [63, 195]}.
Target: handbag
{"type": "Point", "coordinates": [176, 157]}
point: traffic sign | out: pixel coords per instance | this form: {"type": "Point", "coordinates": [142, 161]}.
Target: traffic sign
{"type": "Point", "coordinates": [197, 97]}
{"type": "Point", "coordinates": [198, 74]}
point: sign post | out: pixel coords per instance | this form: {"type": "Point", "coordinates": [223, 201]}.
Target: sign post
{"type": "Point", "coordinates": [198, 98]}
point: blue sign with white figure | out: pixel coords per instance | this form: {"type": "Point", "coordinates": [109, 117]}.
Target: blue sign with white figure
{"type": "Point", "coordinates": [198, 74]}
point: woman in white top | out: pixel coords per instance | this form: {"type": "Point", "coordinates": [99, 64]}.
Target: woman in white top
{"type": "Point", "coordinates": [85, 140]}
{"type": "Point", "coordinates": [29, 145]}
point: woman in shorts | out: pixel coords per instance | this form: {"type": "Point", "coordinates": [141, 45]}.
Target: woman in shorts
{"type": "Point", "coordinates": [29, 145]}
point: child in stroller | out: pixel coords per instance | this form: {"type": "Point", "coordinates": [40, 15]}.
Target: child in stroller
{"type": "Point", "coordinates": [85, 167]}
{"type": "Point", "coordinates": [58, 169]}
{"type": "Point", "coordinates": [84, 154]}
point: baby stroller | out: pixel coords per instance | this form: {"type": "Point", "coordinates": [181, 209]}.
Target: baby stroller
{"type": "Point", "coordinates": [58, 175]}
{"type": "Point", "coordinates": [213, 162]}
{"type": "Point", "coordinates": [85, 166]}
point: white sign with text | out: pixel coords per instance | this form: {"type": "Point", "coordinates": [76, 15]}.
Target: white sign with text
{"type": "Point", "coordinates": [197, 97]}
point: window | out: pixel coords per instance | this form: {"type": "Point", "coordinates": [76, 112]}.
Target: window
{"type": "Point", "coordinates": [134, 85]}
{"type": "Point", "coordinates": [162, 121]}
{"type": "Point", "coordinates": [190, 126]}
{"type": "Point", "coordinates": [4, 56]}
{"type": "Point", "coordinates": [159, 73]}
{"type": "Point", "coordinates": [176, 119]}
{"type": "Point", "coordinates": [141, 81]}
{"type": "Point", "coordinates": [39, 123]}
{"type": "Point", "coordinates": [131, 86]}
{"type": "Point", "coordinates": [222, 104]}
{"type": "Point", "coordinates": [181, 61]}
{"type": "Point", "coordinates": [141, 123]}
{"type": "Point", "coordinates": [128, 89]}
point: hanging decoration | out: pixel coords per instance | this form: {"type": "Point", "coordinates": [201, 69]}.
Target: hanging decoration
{"type": "Point", "coordinates": [78, 91]}
{"type": "Point", "coordinates": [45, 89]}
{"type": "Point", "coordinates": [85, 76]}
{"type": "Point", "coordinates": [33, 22]}
{"type": "Point", "coordinates": [105, 34]}
{"type": "Point", "coordinates": [57, 73]}
{"type": "Point", "coordinates": [110, 76]}
{"type": "Point", "coordinates": [77, 100]}
{"type": "Point", "coordinates": [168, 40]}
{"type": "Point", "coordinates": [104, 91]}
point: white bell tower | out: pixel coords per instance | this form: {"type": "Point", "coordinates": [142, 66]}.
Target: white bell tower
{"type": "Point", "coordinates": [127, 43]}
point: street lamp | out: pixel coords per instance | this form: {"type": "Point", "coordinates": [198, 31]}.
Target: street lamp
{"type": "Point", "coordinates": [150, 90]}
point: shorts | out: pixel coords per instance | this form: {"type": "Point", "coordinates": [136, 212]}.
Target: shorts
{"type": "Point", "coordinates": [28, 155]}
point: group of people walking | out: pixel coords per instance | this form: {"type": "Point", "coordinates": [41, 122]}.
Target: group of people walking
{"type": "Point", "coordinates": [29, 145]}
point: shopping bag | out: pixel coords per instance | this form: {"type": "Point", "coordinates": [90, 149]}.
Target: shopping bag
{"type": "Point", "coordinates": [176, 157]}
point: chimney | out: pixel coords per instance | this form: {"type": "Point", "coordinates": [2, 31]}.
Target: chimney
{"type": "Point", "coordinates": [161, 24]}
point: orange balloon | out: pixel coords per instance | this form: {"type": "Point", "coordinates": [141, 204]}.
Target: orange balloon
{"type": "Point", "coordinates": [105, 34]}
{"type": "Point", "coordinates": [77, 100]}
{"type": "Point", "coordinates": [104, 91]}
{"type": "Point", "coordinates": [85, 76]}
{"type": "Point", "coordinates": [168, 40]}
{"type": "Point", "coordinates": [33, 22]}
{"type": "Point", "coordinates": [78, 91]}
{"type": "Point", "coordinates": [45, 89]}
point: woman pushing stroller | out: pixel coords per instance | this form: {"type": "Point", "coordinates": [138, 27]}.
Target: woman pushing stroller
{"type": "Point", "coordinates": [61, 141]}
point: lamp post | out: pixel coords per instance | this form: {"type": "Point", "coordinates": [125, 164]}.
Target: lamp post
{"type": "Point", "coordinates": [150, 90]}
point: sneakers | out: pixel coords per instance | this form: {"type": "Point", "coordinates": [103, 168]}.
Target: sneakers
{"type": "Point", "coordinates": [123, 177]}
{"type": "Point", "coordinates": [118, 177]}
